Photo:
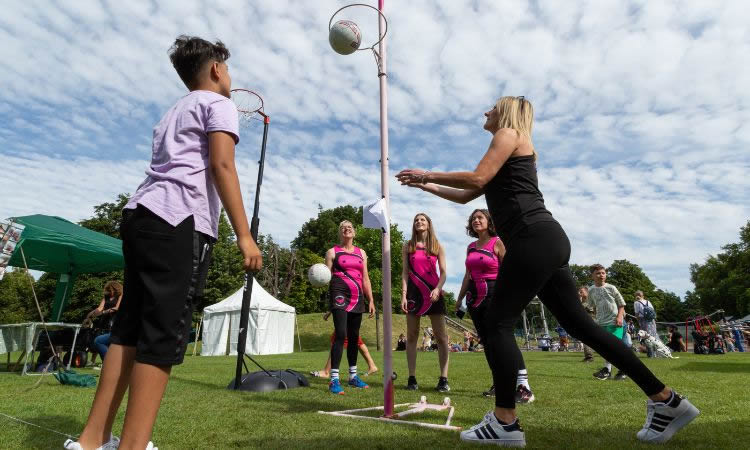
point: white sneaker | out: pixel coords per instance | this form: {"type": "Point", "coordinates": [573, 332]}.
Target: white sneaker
{"type": "Point", "coordinates": [112, 444]}
{"type": "Point", "coordinates": [490, 431]}
{"type": "Point", "coordinates": [663, 420]}
{"type": "Point", "coordinates": [151, 446]}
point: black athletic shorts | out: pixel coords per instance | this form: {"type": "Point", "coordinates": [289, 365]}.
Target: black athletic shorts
{"type": "Point", "coordinates": [165, 270]}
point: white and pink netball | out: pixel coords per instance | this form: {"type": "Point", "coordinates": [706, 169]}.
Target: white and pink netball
{"type": "Point", "coordinates": [319, 275]}
{"type": "Point", "coordinates": [344, 37]}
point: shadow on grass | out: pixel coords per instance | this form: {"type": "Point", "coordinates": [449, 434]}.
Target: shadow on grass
{"type": "Point", "coordinates": [695, 436]}
{"type": "Point", "coordinates": [315, 342]}
{"type": "Point", "coordinates": [50, 431]}
{"type": "Point", "coordinates": [713, 366]}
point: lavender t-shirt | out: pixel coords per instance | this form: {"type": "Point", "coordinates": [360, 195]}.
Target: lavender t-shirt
{"type": "Point", "coordinates": [178, 183]}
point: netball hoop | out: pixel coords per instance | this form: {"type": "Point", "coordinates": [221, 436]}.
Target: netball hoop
{"type": "Point", "coordinates": [388, 401]}
{"type": "Point", "coordinates": [250, 108]}
{"type": "Point", "coordinates": [382, 31]}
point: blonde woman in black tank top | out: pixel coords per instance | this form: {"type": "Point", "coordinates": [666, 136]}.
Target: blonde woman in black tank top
{"type": "Point", "coordinates": [535, 263]}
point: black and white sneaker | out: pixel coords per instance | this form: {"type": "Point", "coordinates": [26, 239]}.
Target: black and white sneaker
{"type": "Point", "coordinates": [602, 374]}
{"type": "Point", "coordinates": [491, 431]}
{"type": "Point", "coordinates": [442, 385]}
{"type": "Point", "coordinates": [489, 392]}
{"type": "Point", "coordinates": [620, 375]}
{"type": "Point", "coordinates": [411, 384]}
{"type": "Point", "coordinates": [664, 419]}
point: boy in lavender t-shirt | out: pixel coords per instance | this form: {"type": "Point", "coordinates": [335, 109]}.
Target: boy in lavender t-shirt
{"type": "Point", "coordinates": [168, 230]}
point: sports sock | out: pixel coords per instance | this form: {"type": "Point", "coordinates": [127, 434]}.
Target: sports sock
{"type": "Point", "coordinates": [352, 372]}
{"type": "Point", "coordinates": [523, 379]}
{"type": "Point", "coordinates": [609, 367]}
{"type": "Point", "coordinates": [334, 374]}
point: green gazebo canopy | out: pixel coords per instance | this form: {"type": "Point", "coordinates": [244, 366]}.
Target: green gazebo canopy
{"type": "Point", "coordinates": [53, 244]}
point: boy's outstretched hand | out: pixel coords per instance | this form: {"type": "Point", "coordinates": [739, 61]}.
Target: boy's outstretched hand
{"type": "Point", "coordinates": [252, 260]}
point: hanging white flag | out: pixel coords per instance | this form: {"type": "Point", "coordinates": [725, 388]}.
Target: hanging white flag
{"type": "Point", "coordinates": [375, 215]}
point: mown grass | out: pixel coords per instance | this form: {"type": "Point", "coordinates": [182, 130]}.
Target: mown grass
{"type": "Point", "coordinates": [315, 333]}
{"type": "Point", "coordinates": [572, 410]}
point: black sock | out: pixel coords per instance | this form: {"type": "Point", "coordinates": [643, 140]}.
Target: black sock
{"type": "Point", "coordinates": [509, 426]}
{"type": "Point", "coordinates": [673, 401]}
{"type": "Point", "coordinates": [443, 380]}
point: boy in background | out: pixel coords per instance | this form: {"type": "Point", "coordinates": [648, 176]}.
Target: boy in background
{"type": "Point", "coordinates": [610, 312]}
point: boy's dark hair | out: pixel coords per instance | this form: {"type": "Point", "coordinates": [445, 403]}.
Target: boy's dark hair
{"type": "Point", "coordinates": [189, 54]}
{"type": "Point", "coordinates": [596, 267]}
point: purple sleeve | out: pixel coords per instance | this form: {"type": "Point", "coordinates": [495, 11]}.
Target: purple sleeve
{"type": "Point", "coordinates": [222, 116]}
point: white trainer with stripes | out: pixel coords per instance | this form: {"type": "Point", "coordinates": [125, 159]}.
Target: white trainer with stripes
{"type": "Point", "coordinates": [490, 431]}
{"type": "Point", "coordinates": [663, 420]}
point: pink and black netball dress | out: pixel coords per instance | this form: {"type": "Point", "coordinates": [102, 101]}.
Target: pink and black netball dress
{"type": "Point", "coordinates": [346, 292]}
{"type": "Point", "coordinates": [423, 278]}
{"type": "Point", "coordinates": [483, 265]}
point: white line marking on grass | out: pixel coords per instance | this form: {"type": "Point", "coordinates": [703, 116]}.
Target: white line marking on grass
{"type": "Point", "coordinates": [38, 426]}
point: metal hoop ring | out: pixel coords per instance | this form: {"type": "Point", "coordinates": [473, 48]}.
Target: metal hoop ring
{"type": "Point", "coordinates": [330, 23]}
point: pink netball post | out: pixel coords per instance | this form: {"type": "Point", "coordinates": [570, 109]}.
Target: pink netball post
{"type": "Point", "coordinates": [389, 415]}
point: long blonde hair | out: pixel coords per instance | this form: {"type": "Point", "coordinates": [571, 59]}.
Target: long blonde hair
{"type": "Point", "coordinates": [516, 113]}
{"type": "Point", "coordinates": [432, 245]}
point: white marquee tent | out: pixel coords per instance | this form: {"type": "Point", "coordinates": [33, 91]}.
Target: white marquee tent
{"type": "Point", "coordinates": [270, 330]}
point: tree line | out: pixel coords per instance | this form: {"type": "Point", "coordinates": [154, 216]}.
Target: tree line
{"type": "Point", "coordinates": [722, 282]}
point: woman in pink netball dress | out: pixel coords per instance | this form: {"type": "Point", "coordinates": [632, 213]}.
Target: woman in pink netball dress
{"type": "Point", "coordinates": [421, 294]}
{"type": "Point", "coordinates": [350, 285]}
{"type": "Point", "coordinates": [483, 259]}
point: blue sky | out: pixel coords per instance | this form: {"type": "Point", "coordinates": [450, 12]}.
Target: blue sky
{"type": "Point", "coordinates": [642, 111]}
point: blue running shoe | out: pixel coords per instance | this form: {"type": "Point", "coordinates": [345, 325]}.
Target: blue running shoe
{"type": "Point", "coordinates": [335, 387]}
{"type": "Point", "coordinates": [358, 383]}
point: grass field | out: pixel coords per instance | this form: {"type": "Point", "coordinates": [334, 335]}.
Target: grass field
{"type": "Point", "coordinates": [573, 410]}
{"type": "Point", "coordinates": [315, 333]}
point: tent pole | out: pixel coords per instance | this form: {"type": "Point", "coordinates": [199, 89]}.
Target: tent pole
{"type": "Point", "coordinates": [296, 325]}
{"type": "Point", "coordinates": [197, 332]}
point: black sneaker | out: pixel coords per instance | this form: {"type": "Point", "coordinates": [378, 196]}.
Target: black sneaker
{"type": "Point", "coordinates": [602, 374]}
{"type": "Point", "coordinates": [412, 385]}
{"type": "Point", "coordinates": [619, 376]}
{"type": "Point", "coordinates": [489, 392]}
{"type": "Point", "coordinates": [524, 395]}
{"type": "Point", "coordinates": [664, 419]}
{"type": "Point", "coordinates": [442, 385]}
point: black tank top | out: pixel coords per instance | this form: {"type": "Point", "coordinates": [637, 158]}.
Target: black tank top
{"type": "Point", "coordinates": [513, 197]}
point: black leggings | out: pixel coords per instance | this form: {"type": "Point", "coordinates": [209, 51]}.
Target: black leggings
{"type": "Point", "coordinates": [477, 316]}
{"type": "Point", "coordinates": [536, 263]}
{"type": "Point", "coordinates": [346, 326]}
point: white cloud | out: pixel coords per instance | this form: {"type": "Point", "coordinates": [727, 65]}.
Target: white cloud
{"type": "Point", "coordinates": [641, 107]}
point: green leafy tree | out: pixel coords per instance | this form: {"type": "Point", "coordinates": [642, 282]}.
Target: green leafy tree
{"type": "Point", "coordinates": [628, 278]}
{"type": "Point", "coordinates": [107, 217]}
{"type": "Point", "coordinates": [280, 267]}
{"type": "Point", "coordinates": [581, 275]}
{"type": "Point", "coordinates": [225, 274]}
{"type": "Point", "coordinates": [303, 296]}
{"type": "Point", "coordinates": [450, 303]}
{"type": "Point", "coordinates": [672, 309]}
{"type": "Point", "coordinates": [693, 304]}
{"type": "Point", "coordinates": [321, 233]}
{"type": "Point", "coordinates": [723, 281]}
{"type": "Point", "coordinates": [16, 298]}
